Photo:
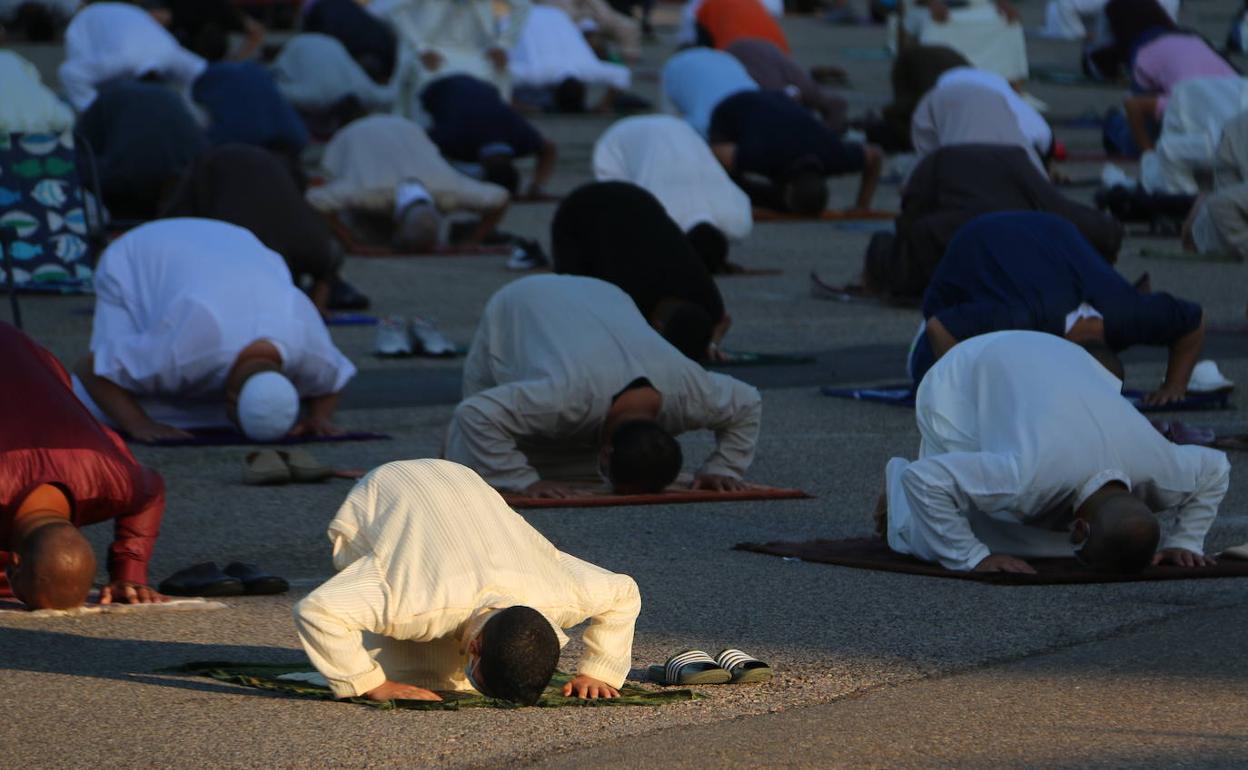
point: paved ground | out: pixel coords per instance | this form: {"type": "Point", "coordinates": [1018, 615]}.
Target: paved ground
{"type": "Point", "coordinates": [874, 669]}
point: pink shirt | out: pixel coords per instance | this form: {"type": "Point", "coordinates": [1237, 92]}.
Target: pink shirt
{"type": "Point", "coordinates": [1170, 59]}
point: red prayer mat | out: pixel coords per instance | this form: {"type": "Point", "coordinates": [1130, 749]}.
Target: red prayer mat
{"type": "Point", "coordinates": [670, 497]}
{"type": "Point", "coordinates": [352, 245]}
{"type": "Point", "coordinates": [874, 553]}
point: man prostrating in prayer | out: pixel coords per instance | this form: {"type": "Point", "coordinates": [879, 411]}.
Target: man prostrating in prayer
{"type": "Point", "coordinates": [60, 469]}
{"type": "Point", "coordinates": [566, 382]}
{"type": "Point", "coordinates": [1030, 450]}
{"type": "Point", "coordinates": [441, 586]}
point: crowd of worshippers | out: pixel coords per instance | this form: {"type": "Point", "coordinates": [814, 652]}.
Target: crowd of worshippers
{"type": "Point", "coordinates": [210, 305]}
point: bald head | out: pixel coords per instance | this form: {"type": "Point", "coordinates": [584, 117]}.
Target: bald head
{"type": "Point", "coordinates": [1123, 534]}
{"type": "Point", "coordinates": [55, 567]}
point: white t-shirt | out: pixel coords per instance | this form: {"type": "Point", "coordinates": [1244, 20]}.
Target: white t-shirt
{"type": "Point", "coordinates": [665, 156]}
{"type": "Point", "coordinates": [178, 299]}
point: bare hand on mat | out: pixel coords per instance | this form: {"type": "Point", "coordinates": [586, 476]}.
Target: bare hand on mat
{"type": "Point", "coordinates": [315, 426]}
{"type": "Point", "coordinates": [1181, 557]}
{"type": "Point", "coordinates": [552, 489]}
{"type": "Point", "coordinates": [1166, 394]}
{"type": "Point", "coordinates": [125, 592]}
{"type": "Point", "coordinates": [587, 687]}
{"type": "Point", "coordinates": [999, 562]}
{"type": "Point", "coordinates": [714, 482]}
{"type": "Point", "coordinates": [388, 690]}
{"type": "Point", "coordinates": [152, 431]}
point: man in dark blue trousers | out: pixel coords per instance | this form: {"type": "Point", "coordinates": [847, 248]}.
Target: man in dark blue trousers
{"type": "Point", "coordinates": [1032, 270]}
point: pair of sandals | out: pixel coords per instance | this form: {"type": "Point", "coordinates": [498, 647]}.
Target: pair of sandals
{"type": "Point", "coordinates": [696, 667]}
{"type": "Point", "coordinates": [271, 466]}
{"type": "Point", "coordinates": [237, 579]}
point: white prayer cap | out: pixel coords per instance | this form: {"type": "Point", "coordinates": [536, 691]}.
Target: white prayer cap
{"type": "Point", "coordinates": [268, 406]}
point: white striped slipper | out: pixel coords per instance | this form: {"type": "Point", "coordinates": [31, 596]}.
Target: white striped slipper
{"type": "Point", "coordinates": [744, 669]}
{"type": "Point", "coordinates": [689, 667]}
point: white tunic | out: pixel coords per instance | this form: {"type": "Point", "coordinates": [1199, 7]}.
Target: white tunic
{"type": "Point", "coordinates": [461, 32]}
{"type": "Point", "coordinates": [1190, 129]}
{"type": "Point", "coordinates": [978, 31]}
{"type": "Point", "coordinates": [1019, 428]}
{"type": "Point", "coordinates": [1030, 121]}
{"type": "Point", "coordinates": [552, 48]}
{"type": "Point", "coordinates": [422, 548]}
{"type": "Point", "coordinates": [315, 71]}
{"type": "Point", "coordinates": [550, 355]}
{"type": "Point", "coordinates": [369, 158]}
{"type": "Point", "coordinates": [178, 299]}
{"type": "Point", "coordinates": [105, 41]}
{"type": "Point", "coordinates": [664, 155]}
{"type": "Point", "coordinates": [28, 106]}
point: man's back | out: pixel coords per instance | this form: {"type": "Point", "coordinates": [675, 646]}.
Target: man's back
{"type": "Point", "coordinates": [698, 79]}
{"type": "Point", "coordinates": [1028, 270]}
{"type": "Point", "coordinates": [620, 233]}
{"type": "Point", "coordinates": [526, 330]}
{"type": "Point", "coordinates": [1054, 410]}
{"type": "Point", "coordinates": [664, 155]}
{"type": "Point", "coordinates": [140, 131]}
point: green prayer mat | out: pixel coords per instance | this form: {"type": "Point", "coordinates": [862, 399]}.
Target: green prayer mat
{"type": "Point", "coordinates": [264, 676]}
{"type": "Point", "coordinates": [745, 358]}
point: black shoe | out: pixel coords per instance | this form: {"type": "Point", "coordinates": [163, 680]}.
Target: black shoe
{"type": "Point", "coordinates": [344, 296]}
{"type": "Point", "coordinates": [255, 580]}
{"type": "Point", "coordinates": [201, 580]}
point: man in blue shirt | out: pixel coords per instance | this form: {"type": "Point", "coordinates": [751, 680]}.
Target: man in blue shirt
{"type": "Point", "coordinates": [1033, 270]}
{"type": "Point", "coordinates": [696, 80]}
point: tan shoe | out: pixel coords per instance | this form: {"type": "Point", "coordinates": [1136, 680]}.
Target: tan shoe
{"type": "Point", "coordinates": [304, 468]}
{"type": "Point", "coordinates": [265, 467]}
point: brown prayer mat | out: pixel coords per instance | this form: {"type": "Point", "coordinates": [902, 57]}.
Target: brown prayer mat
{"type": "Point", "coordinates": [828, 215]}
{"type": "Point", "coordinates": [673, 495]}
{"type": "Point", "coordinates": [874, 553]}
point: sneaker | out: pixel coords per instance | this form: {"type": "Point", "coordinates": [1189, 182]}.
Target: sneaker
{"type": "Point", "coordinates": [527, 255]}
{"type": "Point", "coordinates": [429, 340]}
{"type": "Point", "coordinates": [392, 337]}
{"type": "Point", "coordinates": [1207, 378]}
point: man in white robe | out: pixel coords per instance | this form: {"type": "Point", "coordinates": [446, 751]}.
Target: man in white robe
{"type": "Point", "coordinates": [1190, 129]}
{"type": "Point", "coordinates": [552, 49]}
{"type": "Point", "coordinates": [429, 557]}
{"type": "Point", "coordinates": [566, 380]}
{"type": "Point", "coordinates": [186, 312]}
{"type": "Point", "coordinates": [107, 41]}
{"type": "Point", "coordinates": [665, 156]}
{"type": "Point", "coordinates": [371, 160]}
{"type": "Point", "coordinates": [446, 37]}
{"type": "Point", "coordinates": [1028, 447]}
{"type": "Point", "coordinates": [1219, 221]}
{"type": "Point", "coordinates": [987, 32]}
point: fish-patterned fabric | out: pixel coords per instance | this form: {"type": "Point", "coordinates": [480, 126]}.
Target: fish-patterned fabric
{"type": "Point", "coordinates": [42, 199]}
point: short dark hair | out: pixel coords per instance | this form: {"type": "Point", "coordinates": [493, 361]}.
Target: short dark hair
{"type": "Point", "coordinates": [36, 21]}
{"type": "Point", "coordinates": [519, 652]}
{"type": "Point", "coordinates": [644, 458]}
{"type": "Point", "coordinates": [710, 244]}
{"type": "Point", "coordinates": [687, 327]}
{"type": "Point", "coordinates": [805, 191]}
{"type": "Point", "coordinates": [570, 96]}
{"type": "Point", "coordinates": [501, 170]}
{"type": "Point", "coordinates": [1123, 536]}
{"type": "Point", "coordinates": [1105, 356]}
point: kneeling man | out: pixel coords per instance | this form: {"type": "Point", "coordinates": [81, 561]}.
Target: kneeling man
{"type": "Point", "coordinates": [1029, 450]}
{"type": "Point", "coordinates": [441, 586]}
{"type": "Point", "coordinates": [566, 380]}
{"type": "Point", "coordinates": [198, 325]}
{"type": "Point", "coordinates": [60, 469]}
